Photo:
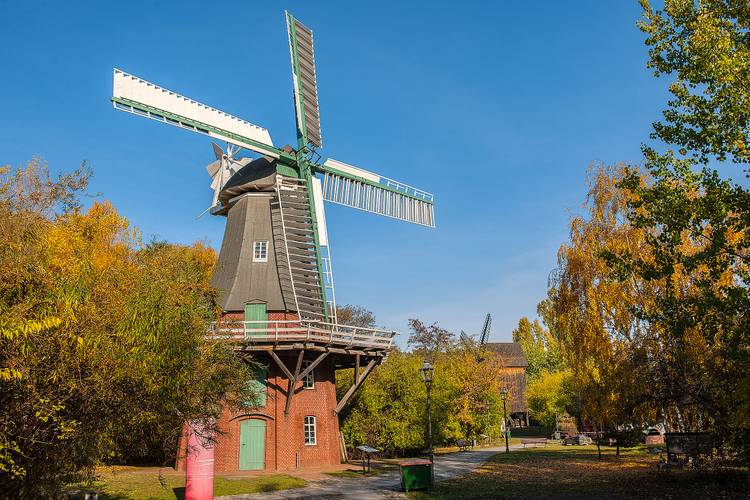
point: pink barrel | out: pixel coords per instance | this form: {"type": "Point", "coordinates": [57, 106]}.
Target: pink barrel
{"type": "Point", "coordinates": [199, 464]}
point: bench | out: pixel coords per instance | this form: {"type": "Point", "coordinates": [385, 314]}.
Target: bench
{"type": "Point", "coordinates": [687, 448]}
{"type": "Point", "coordinates": [463, 444]}
{"type": "Point", "coordinates": [533, 441]}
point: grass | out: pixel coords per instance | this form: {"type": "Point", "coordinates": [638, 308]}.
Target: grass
{"type": "Point", "coordinates": [572, 472]}
{"type": "Point", "coordinates": [148, 483]}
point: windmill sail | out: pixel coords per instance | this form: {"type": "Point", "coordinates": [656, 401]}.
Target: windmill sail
{"type": "Point", "coordinates": [294, 238]}
{"type": "Point", "coordinates": [485, 330]}
{"type": "Point", "coordinates": [305, 82]}
{"type": "Point", "coordinates": [137, 96]}
{"type": "Point", "coordinates": [357, 188]}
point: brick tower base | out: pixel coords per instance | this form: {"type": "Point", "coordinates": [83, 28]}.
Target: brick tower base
{"type": "Point", "coordinates": [284, 446]}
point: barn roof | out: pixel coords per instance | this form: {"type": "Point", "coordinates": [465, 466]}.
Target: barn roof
{"type": "Point", "coordinates": [511, 353]}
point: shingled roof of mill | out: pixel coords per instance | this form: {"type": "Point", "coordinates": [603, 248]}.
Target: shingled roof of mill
{"type": "Point", "coordinates": [511, 353]}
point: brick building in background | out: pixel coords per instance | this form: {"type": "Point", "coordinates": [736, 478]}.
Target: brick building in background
{"type": "Point", "coordinates": [513, 378]}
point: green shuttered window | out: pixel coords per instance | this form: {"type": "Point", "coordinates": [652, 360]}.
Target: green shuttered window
{"type": "Point", "coordinates": [258, 385]}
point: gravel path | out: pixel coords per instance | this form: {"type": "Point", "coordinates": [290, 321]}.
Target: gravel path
{"type": "Point", "coordinates": [385, 485]}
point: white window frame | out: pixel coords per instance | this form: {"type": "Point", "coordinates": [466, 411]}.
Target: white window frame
{"type": "Point", "coordinates": [310, 430]}
{"type": "Point", "coordinates": [309, 381]}
{"type": "Point", "coordinates": [260, 251]}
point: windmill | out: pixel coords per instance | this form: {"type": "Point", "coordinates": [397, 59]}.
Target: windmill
{"type": "Point", "coordinates": [274, 269]}
{"type": "Point", "coordinates": [484, 335]}
{"type": "Point", "coordinates": [300, 182]}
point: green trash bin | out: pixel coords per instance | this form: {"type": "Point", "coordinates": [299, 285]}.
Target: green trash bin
{"type": "Point", "coordinates": [416, 474]}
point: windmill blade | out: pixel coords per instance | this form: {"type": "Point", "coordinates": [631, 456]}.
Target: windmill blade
{"type": "Point", "coordinates": [213, 168]}
{"type": "Point", "coordinates": [218, 152]}
{"type": "Point", "coordinates": [357, 188]}
{"type": "Point", "coordinates": [305, 82]}
{"type": "Point", "coordinates": [137, 96]}
{"type": "Point", "coordinates": [486, 329]}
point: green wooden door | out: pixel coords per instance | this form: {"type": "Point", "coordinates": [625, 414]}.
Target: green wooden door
{"type": "Point", "coordinates": [252, 444]}
{"type": "Point", "coordinates": [255, 312]}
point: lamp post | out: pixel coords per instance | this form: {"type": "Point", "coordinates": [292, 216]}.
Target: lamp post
{"type": "Point", "coordinates": [426, 371]}
{"type": "Point", "coordinates": [489, 426]}
{"type": "Point", "coordinates": [504, 397]}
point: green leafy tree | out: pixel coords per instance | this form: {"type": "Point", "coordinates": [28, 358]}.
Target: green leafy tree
{"type": "Point", "coordinates": [539, 346]}
{"type": "Point", "coordinates": [389, 411]}
{"type": "Point", "coordinates": [551, 394]}
{"type": "Point", "coordinates": [696, 221]}
{"type": "Point", "coordinates": [705, 47]}
{"type": "Point", "coordinates": [103, 336]}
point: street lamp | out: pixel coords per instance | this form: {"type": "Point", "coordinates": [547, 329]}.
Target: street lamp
{"type": "Point", "coordinates": [504, 397]}
{"type": "Point", "coordinates": [426, 371]}
{"type": "Point", "coordinates": [489, 427]}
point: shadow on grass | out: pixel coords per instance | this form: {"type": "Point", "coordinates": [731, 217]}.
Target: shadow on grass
{"type": "Point", "coordinates": [145, 484]}
{"type": "Point", "coordinates": [577, 473]}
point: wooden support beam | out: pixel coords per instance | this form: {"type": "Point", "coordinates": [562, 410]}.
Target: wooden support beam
{"type": "Point", "coordinates": [298, 367]}
{"type": "Point", "coordinates": [356, 367]}
{"type": "Point", "coordinates": [293, 382]}
{"type": "Point", "coordinates": [309, 347]}
{"type": "Point", "coordinates": [281, 365]}
{"type": "Point", "coordinates": [370, 366]}
{"type": "Point", "coordinates": [313, 365]}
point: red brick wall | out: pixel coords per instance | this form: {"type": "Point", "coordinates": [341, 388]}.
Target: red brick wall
{"type": "Point", "coordinates": [284, 433]}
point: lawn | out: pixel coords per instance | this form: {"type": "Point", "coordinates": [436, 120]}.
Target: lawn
{"type": "Point", "coordinates": [150, 483]}
{"type": "Point", "coordinates": [576, 473]}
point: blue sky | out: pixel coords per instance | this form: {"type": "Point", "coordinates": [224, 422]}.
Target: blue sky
{"type": "Point", "coordinates": [496, 107]}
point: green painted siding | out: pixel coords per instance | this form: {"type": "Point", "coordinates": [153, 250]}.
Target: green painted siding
{"type": "Point", "coordinates": [255, 312]}
{"type": "Point", "coordinates": [259, 385]}
{"type": "Point", "coordinates": [252, 444]}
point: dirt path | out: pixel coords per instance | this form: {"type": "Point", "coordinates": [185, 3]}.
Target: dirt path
{"type": "Point", "coordinates": [385, 485]}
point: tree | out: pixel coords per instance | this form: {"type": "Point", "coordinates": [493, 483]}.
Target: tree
{"type": "Point", "coordinates": [696, 221]}
{"type": "Point", "coordinates": [705, 46]}
{"type": "Point", "coordinates": [539, 346]}
{"type": "Point", "coordinates": [355, 316]}
{"type": "Point", "coordinates": [551, 394]}
{"type": "Point", "coordinates": [607, 346]}
{"type": "Point", "coordinates": [429, 340]}
{"type": "Point", "coordinates": [111, 357]}
{"type": "Point", "coordinates": [388, 411]}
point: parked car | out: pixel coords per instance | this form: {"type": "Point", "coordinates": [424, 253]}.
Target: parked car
{"type": "Point", "coordinates": [653, 436]}
{"type": "Point", "coordinates": [578, 440]}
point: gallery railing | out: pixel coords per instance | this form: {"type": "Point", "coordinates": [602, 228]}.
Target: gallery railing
{"type": "Point", "coordinates": [295, 330]}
